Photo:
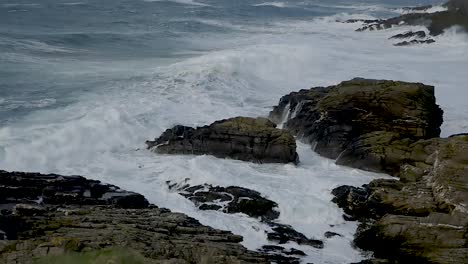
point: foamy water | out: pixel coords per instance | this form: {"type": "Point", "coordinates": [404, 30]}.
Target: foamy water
{"type": "Point", "coordinates": [234, 68]}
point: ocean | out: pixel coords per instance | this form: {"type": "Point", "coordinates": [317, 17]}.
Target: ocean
{"type": "Point", "coordinates": [83, 84]}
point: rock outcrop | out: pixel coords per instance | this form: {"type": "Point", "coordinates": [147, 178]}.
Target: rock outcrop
{"type": "Point", "coordinates": [390, 127]}
{"type": "Point", "coordinates": [242, 138]}
{"type": "Point", "coordinates": [235, 199]}
{"type": "Point", "coordinates": [231, 200]}
{"type": "Point", "coordinates": [343, 121]}
{"type": "Point", "coordinates": [436, 22]}
{"type": "Point", "coordinates": [59, 219]}
{"type": "Point", "coordinates": [423, 218]}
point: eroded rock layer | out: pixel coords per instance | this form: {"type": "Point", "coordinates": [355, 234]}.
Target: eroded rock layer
{"type": "Point", "coordinates": [391, 127]}
{"type": "Point", "coordinates": [58, 219]}
{"type": "Point", "coordinates": [242, 138]}
{"type": "Point", "coordinates": [338, 119]}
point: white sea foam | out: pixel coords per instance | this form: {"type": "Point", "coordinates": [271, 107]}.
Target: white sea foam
{"type": "Point", "coordinates": [433, 9]}
{"type": "Point", "coordinates": [102, 135]}
{"type": "Point", "coordinates": [15, 104]}
{"type": "Point", "coordinates": [21, 5]}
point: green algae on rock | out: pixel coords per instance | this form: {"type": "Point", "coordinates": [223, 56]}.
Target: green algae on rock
{"type": "Point", "coordinates": [242, 138]}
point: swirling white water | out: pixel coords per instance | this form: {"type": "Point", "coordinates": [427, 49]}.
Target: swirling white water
{"type": "Point", "coordinates": [83, 85]}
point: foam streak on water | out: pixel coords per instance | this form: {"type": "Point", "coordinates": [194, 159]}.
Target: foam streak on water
{"type": "Point", "coordinates": [117, 104]}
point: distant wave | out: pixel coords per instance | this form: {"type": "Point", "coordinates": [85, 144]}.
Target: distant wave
{"type": "Point", "coordinates": [20, 5]}
{"type": "Point", "coordinates": [32, 45]}
{"type": "Point", "coordinates": [275, 4]}
{"type": "Point", "coordinates": [186, 2]}
{"type": "Point", "coordinates": [74, 3]}
{"type": "Point", "coordinates": [15, 104]}
{"type": "Point", "coordinates": [432, 9]}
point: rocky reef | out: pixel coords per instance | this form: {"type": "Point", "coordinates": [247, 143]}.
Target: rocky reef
{"type": "Point", "coordinates": [390, 127]}
{"type": "Point", "coordinates": [242, 138]}
{"type": "Point", "coordinates": [59, 219]}
{"type": "Point", "coordinates": [234, 199]}
{"type": "Point", "coordinates": [456, 14]}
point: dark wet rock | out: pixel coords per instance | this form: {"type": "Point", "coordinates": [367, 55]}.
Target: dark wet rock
{"type": "Point", "coordinates": [281, 250]}
{"type": "Point", "coordinates": [437, 22]}
{"type": "Point", "coordinates": [330, 234]}
{"type": "Point", "coordinates": [373, 261]}
{"type": "Point", "coordinates": [342, 121]}
{"type": "Point", "coordinates": [86, 219]}
{"type": "Point", "coordinates": [235, 199]}
{"type": "Point", "coordinates": [417, 8]}
{"type": "Point", "coordinates": [418, 34]}
{"type": "Point", "coordinates": [414, 42]}
{"type": "Point", "coordinates": [242, 138]}
{"type": "Point", "coordinates": [214, 207]}
{"type": "Point", "coordinates": [20, 187]}
{"type": "Point", "coordinates": [366, 21]}
{"type": "Point", "coordinates": [231, 200]}
{"type": "Point", "coordinates": [285, 233]}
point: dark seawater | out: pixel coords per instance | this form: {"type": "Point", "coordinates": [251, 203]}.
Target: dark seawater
{"type": "Point", "coordinates": [50, 49]}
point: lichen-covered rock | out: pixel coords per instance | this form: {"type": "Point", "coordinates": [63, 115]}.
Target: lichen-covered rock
{"type": "Point", "coordinates": [341, 117]}
{"type": "Point", "coordinates": [59, 219]}
{"type": "Point", "coordinates": [243, 138]}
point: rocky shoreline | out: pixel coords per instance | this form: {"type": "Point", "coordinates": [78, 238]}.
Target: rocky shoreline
{"type": "Point", "coordinates": [70, 219]}
{"type": "Point", "coordinates": [456, 14]}
{"type": "Point", "coordinates": [390, 127]}
{"type": "Point", "coordinates": [383, 126]}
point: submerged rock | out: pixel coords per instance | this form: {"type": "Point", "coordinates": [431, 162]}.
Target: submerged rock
{"type": "Point", "coordinates": [58, 219]}
{"type": "Point", "coordinates": [242, 138]}
{"type": "Point", "coordinates": [414, 41]}
{"type": "Point", "coordinates": [285, 233]}
{"type": "Point", "coordinates": [235, 199]}
{"type": "Point", "coordinates": [409, 34]}
{"type": "Point", "coordinates": [436, 22]}
{"type": "Point", "coordinates": [231, 200]}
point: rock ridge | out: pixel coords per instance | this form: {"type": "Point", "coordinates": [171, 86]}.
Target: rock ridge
{"type": "Point", "coordinates": [391, 127]}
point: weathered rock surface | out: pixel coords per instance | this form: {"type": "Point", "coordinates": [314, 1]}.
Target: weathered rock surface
{"type": "Point", "coordinates": [436, 23]}
{"type": "Point", "coordinates": [231, 200]}
{"type": "Point", "coordinates": [235, 199]}
{"type": "Point", "coordinates": [423, 218]}
{"type": "Point", "coordinates": [53, 218]}
{"type": "Point", "coordinates": [361, 112]}
{"type": "Point", "coordinates": [243, 138]}
{"type": "Point", "coordinates": [390, 127]}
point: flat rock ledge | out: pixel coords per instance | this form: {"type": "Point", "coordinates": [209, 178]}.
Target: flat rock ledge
{"type": "Point", "coordinates": [242, 138]}
{"type": "Point", "coordinates": [391, 127]}
{"type": "Point", "coordinates": [59, 219]}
